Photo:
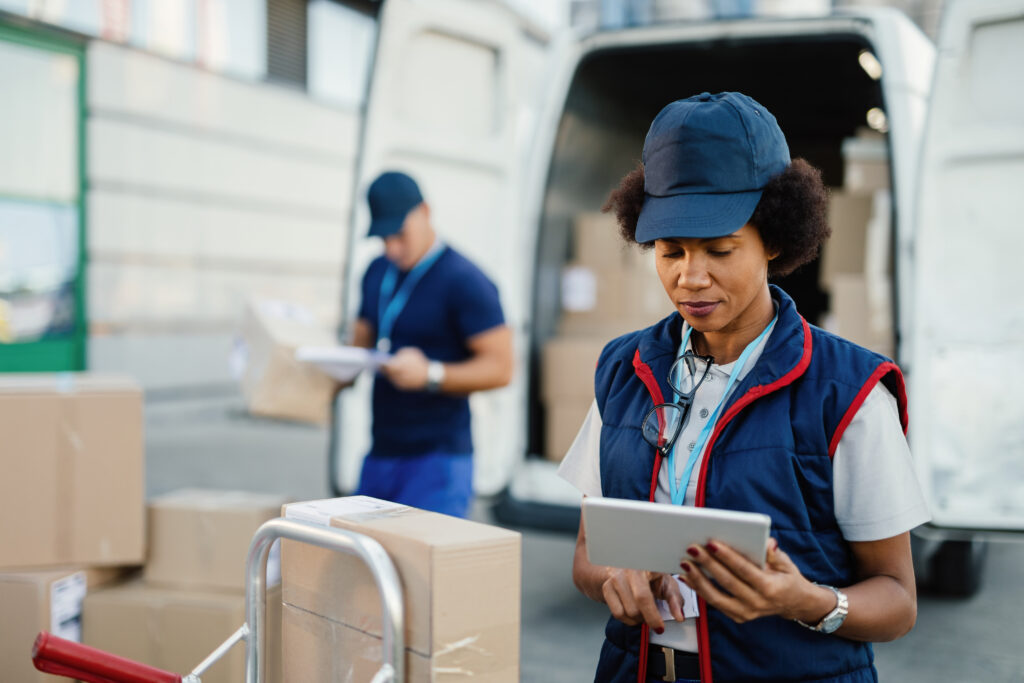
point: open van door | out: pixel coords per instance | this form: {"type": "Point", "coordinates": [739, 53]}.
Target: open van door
{"type": "Point", "coordinates": [966, 373]}
{"type": "Point", "coordinates": [451, 102]}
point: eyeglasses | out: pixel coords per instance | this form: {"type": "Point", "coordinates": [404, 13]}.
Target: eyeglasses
{"type": "Point", "coordinates": [664, 422]}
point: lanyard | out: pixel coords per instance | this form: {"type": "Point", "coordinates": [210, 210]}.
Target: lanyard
{"type": "Point", "coordinates": [389, 307]}
{"type": "Point", "coordinates": [678, 492]}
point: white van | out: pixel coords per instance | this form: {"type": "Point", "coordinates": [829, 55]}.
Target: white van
{"type": "Point", "coordinates": [506, 180]}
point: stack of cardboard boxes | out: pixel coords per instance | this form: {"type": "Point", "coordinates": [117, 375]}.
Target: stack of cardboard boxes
{"type": "Point", "coordinates": [856, 265]}
{"type": "Point", "coordinates": [191, 596]}
{"type": "Point", "coordinates": [607, 290]}
{"type": "Point", "coordinates": [461, 591]}
{"type": "Point", "coordinates": [71, 503]}
{"type": "Point", "coordinates": [73, 527]}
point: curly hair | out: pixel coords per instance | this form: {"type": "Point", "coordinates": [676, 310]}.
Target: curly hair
{"type": "Point", "coordinates": [792, 216]}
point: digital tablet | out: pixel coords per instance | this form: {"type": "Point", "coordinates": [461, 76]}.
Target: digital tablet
{"type": "Point", "coordinates": [654, 536]}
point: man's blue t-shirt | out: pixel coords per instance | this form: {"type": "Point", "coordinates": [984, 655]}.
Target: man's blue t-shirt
{"type": "Point", "coordinates": [452, 302]}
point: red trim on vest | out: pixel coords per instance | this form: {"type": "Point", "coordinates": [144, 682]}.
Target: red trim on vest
{"type": "Point", "coordinates": [643, 371]}
{"type": "Point", "coordinates": [754, 393]}
{"type": "Point", "coordinates": [862, 395]}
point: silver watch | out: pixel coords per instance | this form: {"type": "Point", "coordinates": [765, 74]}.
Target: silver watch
{"type": "Point", "coordinates": [834, 619]}
{"type": "Point", "coordinates": [435, 376]}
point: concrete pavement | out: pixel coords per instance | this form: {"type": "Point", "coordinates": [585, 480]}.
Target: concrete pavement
{"type": "Point", "coordinates": [978, 639]}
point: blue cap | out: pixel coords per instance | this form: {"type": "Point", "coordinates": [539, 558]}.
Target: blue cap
{"type": "Point", "coordinates": [391, 196]}
{"type": "Point", "coordinates": [706, 161]}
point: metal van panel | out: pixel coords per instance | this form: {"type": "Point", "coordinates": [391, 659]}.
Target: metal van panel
{"type": "Point", "coordinates": [967, 388]}
{"type": "Point", "coordinates": [907, 57]}
{"type": "Point", "coordinates": [451, 102]}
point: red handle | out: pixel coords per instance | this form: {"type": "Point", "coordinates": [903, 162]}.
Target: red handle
{"type": "Point", "coordinates": [62, 657]}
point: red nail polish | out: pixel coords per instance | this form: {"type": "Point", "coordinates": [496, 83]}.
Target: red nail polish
{"type": "Point", "coordinates": [659, 631]}
{"type": "Point", "coordinates": [712, 548]}
{"type": "Point", "coordinates": [693, 552]}
{"type": "Point", "coordinates": [685, 566]}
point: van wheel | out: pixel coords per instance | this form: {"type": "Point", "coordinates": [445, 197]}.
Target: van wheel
{"type": "Point", "coordinates": [956, 568]}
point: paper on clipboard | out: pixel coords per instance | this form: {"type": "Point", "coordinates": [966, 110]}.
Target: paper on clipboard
{"type": "Point", "coordinates": [343, 363]}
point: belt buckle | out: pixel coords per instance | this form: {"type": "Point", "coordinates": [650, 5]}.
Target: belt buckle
{"type": "Point", "coordinates": [670, 664]}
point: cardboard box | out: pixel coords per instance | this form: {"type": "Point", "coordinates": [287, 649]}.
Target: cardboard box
{"type": "Point", "coordinates": [861, 311]}
{"type": "Point", "coordinates": [846, 250]}
{"type": "Point", "coordinates": [320, 650]}
{"type": "Point", "coordinates": [273, 382]}
{"type": "Point", "coordinates": [562, 422]}
{"type": "Point", "coordinates": [597, 243]}
{"type": "Point", "coordinates": [626, 300]}
{"type": "Point", "coordinates": [567, 367]}
{"type": "Point", "coordinates": [461, 582]}
{"type": "Point", "coordinates": [42, 600]}
{"type": "Point", "coordinates": [200, 538]}
{"type": "Point", "coordinates": [72, 461]}
{"type": "Point", "coordinates": [175, 630]}
{"type": "Point", "coordinates": [866, 159]}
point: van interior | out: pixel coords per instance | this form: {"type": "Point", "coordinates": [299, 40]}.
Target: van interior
{"type": "Point", "coordinates": [820, 91]}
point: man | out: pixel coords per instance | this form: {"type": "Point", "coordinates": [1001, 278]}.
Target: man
{"type": "Point", "coordinates": [440, 317]}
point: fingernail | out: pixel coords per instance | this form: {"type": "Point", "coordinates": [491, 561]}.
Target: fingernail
{"type": "Point", "coordinates": [712, 548]}
{"type": "Point", "coordinates": [659, 631]}
{"type": "Point", "coordinates": [693, 552]}
{"type": "Point", "coordinates": [685, 566]}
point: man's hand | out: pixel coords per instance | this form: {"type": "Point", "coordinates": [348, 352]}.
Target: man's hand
{"type": "Point", "coordinates": [407, 369]}
{"type": "Point", "coordinates": [630, 595]}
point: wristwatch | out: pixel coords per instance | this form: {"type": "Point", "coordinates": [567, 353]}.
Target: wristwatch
{"type": "Point", "coordinates": [435, 376]}
{"type": "Point", "coordinates": [834, 619]}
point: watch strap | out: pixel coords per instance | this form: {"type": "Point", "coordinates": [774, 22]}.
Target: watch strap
{"type": "Point", "coordinates": [834, 619]}
{"type": "Point", "coordinates": [435, 376]}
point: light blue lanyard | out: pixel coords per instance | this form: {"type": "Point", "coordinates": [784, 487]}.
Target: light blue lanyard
{"type": "Point", "coordinates": [389, 307]}
{"type": "Point", "coordinates": [678, 491]}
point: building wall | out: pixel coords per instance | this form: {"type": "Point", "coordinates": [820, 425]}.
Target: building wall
{"type": "Point", "coordinates": [204, 191]}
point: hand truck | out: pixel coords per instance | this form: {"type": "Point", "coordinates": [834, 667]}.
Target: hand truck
{"type": "Point", "coordinates": [55, 655]}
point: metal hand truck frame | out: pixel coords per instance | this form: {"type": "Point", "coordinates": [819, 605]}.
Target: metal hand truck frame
{"type": "Point", "coordinates": [66, 658]}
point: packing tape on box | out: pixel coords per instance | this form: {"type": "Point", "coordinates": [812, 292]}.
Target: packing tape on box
{"type": "Point", "coordinates": [69, 450]}
{"type": "Point", "coordinates": [352, 508]}
{"type": "Point", "coordinates": [450, 659]}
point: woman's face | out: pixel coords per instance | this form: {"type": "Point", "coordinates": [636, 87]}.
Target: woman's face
{"type": "Point", "coordinates": [719, 284]}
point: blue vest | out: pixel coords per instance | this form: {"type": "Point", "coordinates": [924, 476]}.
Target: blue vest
{"type": "Point", "coordinates": [770, 452]}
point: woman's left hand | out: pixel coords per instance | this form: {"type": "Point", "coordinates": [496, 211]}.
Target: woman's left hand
{"type": "Point", "coordinates": [746, 591]}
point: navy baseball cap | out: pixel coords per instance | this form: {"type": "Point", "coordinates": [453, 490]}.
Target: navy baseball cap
{"type": "Point", "coordinates": [706, 161]}
{"type": "Point", "coordinates": [391, 197]}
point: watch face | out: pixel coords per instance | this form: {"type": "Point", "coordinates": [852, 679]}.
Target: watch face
{"type": "Point", "coordinates": [832, 622]}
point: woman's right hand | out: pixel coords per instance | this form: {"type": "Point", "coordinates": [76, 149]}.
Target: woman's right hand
{"type": "Point", "coordinates": [631, 593]}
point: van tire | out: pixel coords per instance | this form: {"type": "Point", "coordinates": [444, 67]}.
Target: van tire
{"type": "Point", "coordinates": [956, 568]}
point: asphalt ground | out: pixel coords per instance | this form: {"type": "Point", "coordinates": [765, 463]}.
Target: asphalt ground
{"type": "Point", "coordinates": [976, 639]}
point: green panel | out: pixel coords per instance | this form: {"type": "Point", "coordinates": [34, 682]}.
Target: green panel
{"type": "Point", "coordinates": [67, 353]}
{"type": "Point", "coordinates": [42, 356]}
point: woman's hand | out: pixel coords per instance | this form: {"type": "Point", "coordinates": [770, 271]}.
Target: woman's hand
{"type": "Point", "coordinates": [630, 595]}
{"type": "Point", "coordinates": [745, 591]}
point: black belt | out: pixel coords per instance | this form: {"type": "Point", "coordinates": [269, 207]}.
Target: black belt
{"type": "Point", "coordinates": [666, 664]}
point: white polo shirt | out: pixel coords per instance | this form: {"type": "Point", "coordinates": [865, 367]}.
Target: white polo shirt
{"type": "Point", "coordinates": [875, 490]}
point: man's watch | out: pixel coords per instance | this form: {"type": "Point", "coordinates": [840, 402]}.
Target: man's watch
{"type": "Point", "coordinates": [435, 376]}
{"type": "Point", "coordinates": [834, 619]}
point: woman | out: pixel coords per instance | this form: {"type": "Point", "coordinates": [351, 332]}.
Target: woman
{"type": "Point", "coordinates": [768, 414]}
